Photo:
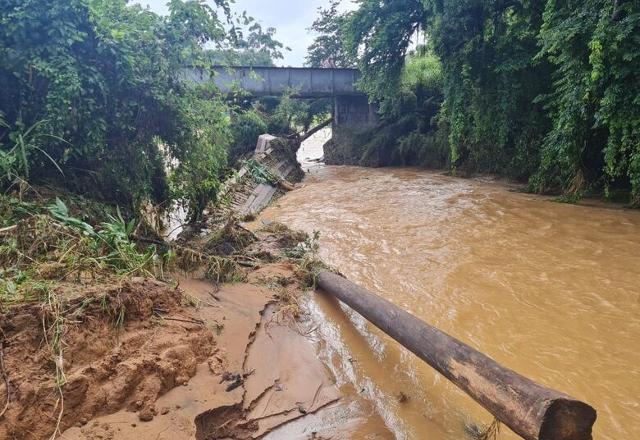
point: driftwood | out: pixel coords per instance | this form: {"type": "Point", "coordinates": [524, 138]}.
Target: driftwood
{"type": "Point", "coordinates": [530, 410]}
{"type": "Point", "coordinates": [285, 186]}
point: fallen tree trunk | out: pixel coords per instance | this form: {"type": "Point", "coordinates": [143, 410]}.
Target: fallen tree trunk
{"type": "Point", "coordinates": [316, 129]}
{"type": "Point", "coordinates": [530, 410]}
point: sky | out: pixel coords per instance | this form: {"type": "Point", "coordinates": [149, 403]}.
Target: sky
{"type": "Point", "coordinates": [291, 18]}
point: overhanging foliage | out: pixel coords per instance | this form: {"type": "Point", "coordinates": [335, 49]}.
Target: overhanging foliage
{"type": "Point", "coordinates": [544, 90]}
{"type": "Point", "coordinates": [100, 79]}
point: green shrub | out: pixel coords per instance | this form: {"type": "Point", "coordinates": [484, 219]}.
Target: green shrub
{"type": "Point", "coordinates": [425, 150]}
{"type": "Point", "coordinates": [247, 126]}
{"type": "Point", "coordinates": [105, 77]}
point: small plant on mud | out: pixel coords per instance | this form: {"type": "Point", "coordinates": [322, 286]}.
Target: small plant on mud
{"type": "Point", "coordinates": [191, 301]}
{"type": "Point", "coordinates": [124, 255]}
{"type": "Point", "coordinates": [308, 248]}
{"type": "Point", "coordinates": [24, 143]}
{"type": "Point", "coordinates": [301, 249]}
{"type": "Point", "coordinates": [288, 306]}
{"type": "Point", "coordinates": [305, 256]}
{"type": "Point", "coordinates": [60, 212]}
{"type": "Point", "coordinates": [19, 286]}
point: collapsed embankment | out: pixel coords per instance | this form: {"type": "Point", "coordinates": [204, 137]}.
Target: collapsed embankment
{"type": "Point", "coordinates": [218, 350]}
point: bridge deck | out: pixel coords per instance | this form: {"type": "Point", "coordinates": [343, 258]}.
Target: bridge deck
{"type": "Point", "coordinates": [308, 82]}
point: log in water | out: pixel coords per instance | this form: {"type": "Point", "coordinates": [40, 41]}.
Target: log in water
{"type": "Point", "coordinates": [531, 410]}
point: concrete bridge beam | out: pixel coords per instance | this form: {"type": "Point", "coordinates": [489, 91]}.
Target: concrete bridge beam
{"type": "Point", "coordinates": [307, 82]}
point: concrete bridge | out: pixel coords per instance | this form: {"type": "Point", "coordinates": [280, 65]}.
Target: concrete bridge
{"type": "Point", "coordinates": [351, 106]}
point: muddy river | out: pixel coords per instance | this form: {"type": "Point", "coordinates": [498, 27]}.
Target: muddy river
{"type": "Point", "coordinates": [550, 290]}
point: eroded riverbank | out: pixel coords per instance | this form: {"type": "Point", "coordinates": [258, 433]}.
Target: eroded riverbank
{"type": "Point", "coordinates": [192, 357]}
{"type": "Point", "coordinates": [547, 289]}
{"type": "Point", "coordinates": [211, 344]}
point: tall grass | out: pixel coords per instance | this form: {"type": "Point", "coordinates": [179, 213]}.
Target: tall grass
{"type": "Point", "coordinates": [19, 145]}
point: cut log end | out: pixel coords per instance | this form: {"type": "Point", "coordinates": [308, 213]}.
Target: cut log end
{"type": "Point", "coordinates": [567, 419]}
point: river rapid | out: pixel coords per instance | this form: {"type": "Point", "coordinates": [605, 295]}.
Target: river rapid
{"type": "Point", "coordinates": [548, 289]}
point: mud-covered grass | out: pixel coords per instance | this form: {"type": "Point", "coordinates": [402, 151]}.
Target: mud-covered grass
{"type": "Point", "coordinates": [42, 249]}
{"type": "Point", "coordinates": [280, 243]}
{"type": "Point", "coordinates": [229, 240]}
{"type": "Point", "coordinates": [484, 432]}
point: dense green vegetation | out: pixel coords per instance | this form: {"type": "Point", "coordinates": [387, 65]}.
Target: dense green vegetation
{"type": "Point", "coordinates": [327, 49]}
{"type": "Point", "coordinates": [544, 91]}
{"type": "Point", "coordinates": [93, 101]}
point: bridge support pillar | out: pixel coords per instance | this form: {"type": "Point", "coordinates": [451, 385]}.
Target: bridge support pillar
{"type": "Point", "coordinates": [353, 117]}
{"type": "Point", "coordinates": [354, 111]}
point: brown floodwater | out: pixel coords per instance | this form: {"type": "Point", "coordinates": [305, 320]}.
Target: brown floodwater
{"type": "Point", "coordinates": [548, 289]}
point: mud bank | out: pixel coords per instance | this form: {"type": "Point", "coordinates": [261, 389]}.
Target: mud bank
{"type": "Point", "coordinates": [260, 374]}
{"type": "Point", "coordinates": [189, 359]}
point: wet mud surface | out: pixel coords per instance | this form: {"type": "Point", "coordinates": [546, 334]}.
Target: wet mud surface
{"type": "Point", "coordinates": [231, 363]}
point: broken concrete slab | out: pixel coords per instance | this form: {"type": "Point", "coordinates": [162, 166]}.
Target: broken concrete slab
{"type": "Point", "coordinates": [263, 142]}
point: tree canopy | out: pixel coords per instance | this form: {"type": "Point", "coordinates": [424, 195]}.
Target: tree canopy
{"type": "Point", "coordinates": [327, 49]}
{"type": "Point", "coordinates": [93, 97]}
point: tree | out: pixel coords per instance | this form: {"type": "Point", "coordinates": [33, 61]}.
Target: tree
{"type": "Point", "coordinates": [491, 82]}
{"type": "Point", "coordinates": [327, 49]}
{"type": "Point", "coordinates": [595, 103]}
{"type": "Point", "coordinates": [105, 77]}
{"type": "Point", "coordinates": [379, 34]}
{"type": "Point", "coordinates": [249, 45]}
